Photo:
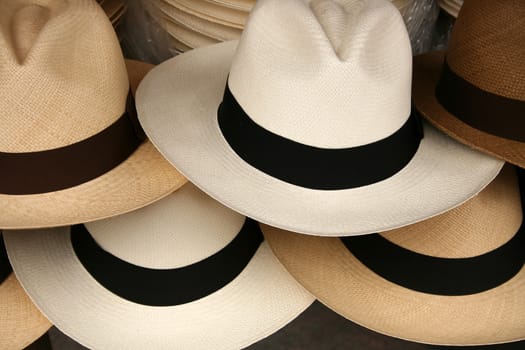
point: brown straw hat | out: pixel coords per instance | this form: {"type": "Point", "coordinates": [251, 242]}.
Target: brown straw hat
{"type": "Point", "coordinates": [69, 150]}
{"type": "Point", "coordinates": [455, 279]}
{"type": "Point", "coordinates": [20, 321]}
{"type": "Point", "coordinates": [475, 91]}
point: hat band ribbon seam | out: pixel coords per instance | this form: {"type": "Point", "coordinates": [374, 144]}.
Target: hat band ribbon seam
{"type": "Point", "coordinates": [436, 275]}
{"type": "Point", "coordinates": [167, 287]}
{"type": "Point", "coordinates": [488, 112]}
{"type": "Point", "coordinates": [5, 266]}
{"type": "Point", "coordinates": [65, 167]}
{"type": "Point", "coordinates": [314, 167]}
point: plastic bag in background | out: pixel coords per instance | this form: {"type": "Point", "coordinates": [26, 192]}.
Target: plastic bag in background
{"type": "Point", "coordinates": [420, 18]}
{"type": "Point", "coordinates": [142, 38]}
{"type": "Point", "coordinates": [442, 31]}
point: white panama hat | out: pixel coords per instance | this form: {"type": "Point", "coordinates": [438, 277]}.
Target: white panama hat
{"type": "Point", "coordinates": [315, 132]}
{"type": "Point", "coordinates": [182, 273]}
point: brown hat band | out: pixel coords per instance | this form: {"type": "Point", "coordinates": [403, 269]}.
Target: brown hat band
{"type": "Point", "coordinates": [72, 165]}
{"type": "Point", "coordinates": [483, 110]}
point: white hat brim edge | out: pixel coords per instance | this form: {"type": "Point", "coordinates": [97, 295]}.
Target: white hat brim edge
{"type": "Point", "coordinates": [258, 302]}
{"type": "Point", "coordinates": [177, 103]}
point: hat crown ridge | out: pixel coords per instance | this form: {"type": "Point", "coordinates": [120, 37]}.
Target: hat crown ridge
{"type": "Point", "coordinates": [482, 224]}
{"type": "Point", "coordinates": [179, 230]}
{"type": "Point", "coordinates": [325, 73]}
{"type": "Point", "coordinates": [487, 46]}
{"type": "Point", "coordinates": [62, 73]}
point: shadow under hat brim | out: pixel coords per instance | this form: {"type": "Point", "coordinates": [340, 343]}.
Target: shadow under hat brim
{"type": "Point", "coordinates": [326, 268]}
{"type": "Point", "coordinates": [20, 321]}
{"type": "Point", "coordinates": [177, 105]}
{"type": "Point", "coordinates": [144, 177]}
{"type": "Point", "coordinates": [427, 72]}
{"type": "Point", "coordinates": [263, 298]}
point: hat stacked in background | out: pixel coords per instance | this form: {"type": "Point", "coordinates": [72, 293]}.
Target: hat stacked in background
{"type": "Point", "coordinates": [475, 90]}
{"type": "Point", "coordinates": [71, 147]}
{"type": "Point", "coordinates": [452, 7]}
{"type": "Point", "coordinates": [196, 23]}
{"type": "Point", "coordinates": [114, 9]}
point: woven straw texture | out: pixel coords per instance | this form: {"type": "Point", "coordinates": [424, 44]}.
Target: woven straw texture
{"type": "Point", "coordinates": [332, 274]}
{"type": "Point", "coordinates": [21, 322]}
{"type": "Point", "coordinates": [260, 300]}
{"type": "Point", "coordinates": [62, 59]}
{"type": "Point", "coordinates": [486, 49]}
{"type": "Point", "coordinates": [181, 119]}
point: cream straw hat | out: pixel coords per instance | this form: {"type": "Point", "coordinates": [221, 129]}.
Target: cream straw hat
{"type": "Point", "coordinates": [69, 150]}
{"type": "Point", "coordinates": [455, 279]}
{"type": "Point", "coordinates": [182, 273]}
{"type": "Point", "coordinates": [314, 132]}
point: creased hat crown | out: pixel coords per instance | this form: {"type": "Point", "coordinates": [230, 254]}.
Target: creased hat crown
{"type": "Point", "coordinates": [62, 73]}
{"type": "Point", "coordinates": [326, 73]}
{"type": "Point", "coordinates": [487, 46]}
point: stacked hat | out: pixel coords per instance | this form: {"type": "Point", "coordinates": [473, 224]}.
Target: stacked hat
{"type": "Point", "coordinates": [455, 279]}
{"type": "Point", "coordinates": [452, 7]}
{"type": "Point", "coordinates": [114, 9]}
{"type": "Point", "coordinates": [71, 147]}
{"type": "Point", "coordinates": [475, 91]}
{"type": "Point", "coordinates": [21, 324]}
{"type": "Point", "coordinates": [182, 273]}
{"type": "Point", "coordinates": [332, 150]}
{"type": "Point", "coordinates": [196, 23]}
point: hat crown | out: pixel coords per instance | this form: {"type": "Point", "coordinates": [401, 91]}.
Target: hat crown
{"type": "Point", "coordinates": [62, 73]}
{"type": "Point", "coordinates": [179, 230]}
{"type": "Point", "coordinates": [326, 73]}
{"type": "Point", "coordinates": [482, 224]}
{"type": "Point", "coordinates": [487, 46]}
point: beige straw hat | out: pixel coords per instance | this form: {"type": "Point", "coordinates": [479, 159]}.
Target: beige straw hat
{"type": "Point", "coordinates": [20, 321]}
{"type": "Point", "coordinates": [182, 273]}
{"type": "Point", "coordinates": [242, 5]}
{"type": "Point", "coordinates": [211, 12]}
{"type": "Point", "coordinates": [451, 7]}
{"type": "Point", "coordinates": [332, 150]}
{"type": "Point", "coordinates": [475, 91]}
{"type": "Point", "coordinates": [70, 152]}
{"type": "Point", "coordinates": [455, 279]}
{"type": "Point", "coordinates": [196, 24]}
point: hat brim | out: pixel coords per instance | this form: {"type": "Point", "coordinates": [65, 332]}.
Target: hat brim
{"type": "Point", "coordinates": [326, 268]}
{"type": "Point", "coordinates": [211, 12]}
{"type": "Point", "coordinates": [20, 321]}
{"type": "Point", "coordinates": [143, 178]}
{"type": "Point", "coordinates": [260, 300]}
{"type": "Point", "coordinates": [177, 104]}
{"type": "Point", "coordinates": [427, 71]}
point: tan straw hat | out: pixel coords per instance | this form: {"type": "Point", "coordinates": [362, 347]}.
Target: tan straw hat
{"type": "Point", "coordinates": [314, 131]}
{"type": "Point", "coordinates": [182, 273]}
{"type": "Point", "coordinates": [455, 279]}
{"type": "Point", "coordinates": [475, 91]}
{"type": "Point", "coordinates": [20, 321]}
{"type": "Point", "coordinates": [69, 150]}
